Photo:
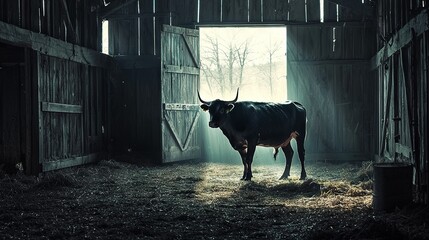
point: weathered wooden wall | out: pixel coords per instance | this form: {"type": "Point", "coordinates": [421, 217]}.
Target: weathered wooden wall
{"type": "Point", "coordinates": [402, 66]}
{"type": "Point", "coordinates": [72, 113]}
{"type": "Point", "coordinates": [331, 77]}
{"type": "Point", "coordinates": [62, 110]}
{"type": "Point", "coordinates": [73, 21]}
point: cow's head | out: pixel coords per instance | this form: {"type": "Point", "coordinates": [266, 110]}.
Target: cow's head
{"type": "Point", "coordinates": [218, 110]}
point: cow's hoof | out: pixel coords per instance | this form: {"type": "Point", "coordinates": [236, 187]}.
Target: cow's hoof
{"type": "Point", "coordinates": [283, 177]}
{"type": "Point", "coordinates": [303, 177]}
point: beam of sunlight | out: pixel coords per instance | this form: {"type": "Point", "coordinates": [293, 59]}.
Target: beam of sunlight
{"type": "Point", "coordinates": [105, 37]}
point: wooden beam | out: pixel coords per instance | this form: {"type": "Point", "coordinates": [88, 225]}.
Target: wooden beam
{"type": "Point", "coordinates": [181, 107]}
{"type": "Point", "coordinates": [61, 108]}
{"type": "Point", "coordinates": [53, 47]}
{"type": "Point", "coordinates": [182, 69]}
{"type": "Point", "coordinates": [70, 162]}
{"type": "Point", "coordinates": [418, 24]}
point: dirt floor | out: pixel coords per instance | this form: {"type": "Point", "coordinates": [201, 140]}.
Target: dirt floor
{"type": "Point", "coordinates": [195, 200]}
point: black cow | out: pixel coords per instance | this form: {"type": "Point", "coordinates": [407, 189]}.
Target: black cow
{"type": "Point", "coordinates": [251, 124]}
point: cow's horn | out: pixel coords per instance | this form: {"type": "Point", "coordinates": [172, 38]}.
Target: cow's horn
{"type": "Point", "coordinates": [201, 100]}
{"type": "Point", "coordinates": [236, 97]}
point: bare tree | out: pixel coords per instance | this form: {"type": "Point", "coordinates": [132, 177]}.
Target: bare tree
{"type": "Point", "coordinates": [272, 52]}
{"type": "Point", "coordinates": [222, 63]}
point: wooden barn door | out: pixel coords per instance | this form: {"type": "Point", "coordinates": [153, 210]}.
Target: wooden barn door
{"type": "Point", "coordinates": [180, 62]}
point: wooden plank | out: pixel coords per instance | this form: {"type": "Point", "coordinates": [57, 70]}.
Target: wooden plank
{"type": "Point", "coordinates": [181, 107]}
{"type": "Point", "coordinates": [52, 47]}
{"type": "Point", "coordinates": [210, 11]}
{"type": "Point", "coordinates": [357, 7]}
{"type": "Point", "coordinates": [182, 69]}
{"type": "Point", "coordinates": [234, 11]}
{"type": "Point", "coordinates": [191, 50]}
{"type": "Point", "coordinates": [255, 11]}
{"type": "Point", "coordinates": [61, 108]}
{"type": "Point", "coordinates": [177, 30]}
{"type": "Point", "coordinates": [277, 10]}
{"type": "Point", "coordinates": [297, 11]}
{"type": "Point", "coordinates": [70, 162]}
{"type": "Point", "coordinates": [386, 112]}
{"type": "Point", "coordinates": [313, 10]}
{"type": "Point", "coordinates": [418, 24]}
{"type": "Point", "coordinates": [176, 154]}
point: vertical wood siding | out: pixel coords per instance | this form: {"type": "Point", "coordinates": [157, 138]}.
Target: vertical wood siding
{"type": "Point", "coordinates": [179, 84]}
{"type": "Point", "coordinates": [70, 134]}
{"type": "Point", "coordinates": [334, 83]}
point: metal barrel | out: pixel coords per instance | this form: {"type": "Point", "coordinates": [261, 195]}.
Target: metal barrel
{"type": "Point", "coordinates": [393, 186]}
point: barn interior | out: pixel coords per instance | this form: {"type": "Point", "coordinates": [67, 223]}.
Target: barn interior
{"type": "Point", "coordinates": [102, 135]}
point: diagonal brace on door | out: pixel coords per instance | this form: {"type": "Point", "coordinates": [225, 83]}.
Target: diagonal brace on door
{"type": "Point", "coordinates": [183, 146]}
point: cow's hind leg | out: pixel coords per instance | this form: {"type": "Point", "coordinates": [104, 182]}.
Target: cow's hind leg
{"type": "Point", "coordinates": [288, 151]}
{"type": "Point", "coordinates": [301, 154]}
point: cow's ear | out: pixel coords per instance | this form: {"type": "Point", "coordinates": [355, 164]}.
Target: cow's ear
{"type": "Point", "coordinates": [229, 107]}
{"type": "Point", "coordinates": [205, 107]}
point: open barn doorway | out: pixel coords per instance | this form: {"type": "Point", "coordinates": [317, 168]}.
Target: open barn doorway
{"type": "Point", "coordinates": [252, 59]}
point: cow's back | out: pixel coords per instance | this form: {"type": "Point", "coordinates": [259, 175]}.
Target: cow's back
{"type": "Point", "coordinates": [270, 119]}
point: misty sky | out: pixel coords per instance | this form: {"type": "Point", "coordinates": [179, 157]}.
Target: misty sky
{"type": "Point", "coordinates": [261, 40]}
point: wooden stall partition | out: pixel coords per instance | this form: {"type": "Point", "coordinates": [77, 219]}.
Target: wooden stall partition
{"type": "Point", "coordinates": [71, 113]}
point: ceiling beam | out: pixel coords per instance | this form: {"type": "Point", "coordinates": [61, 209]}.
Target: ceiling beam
{"type": "Point", "coordinates": [13, 35]}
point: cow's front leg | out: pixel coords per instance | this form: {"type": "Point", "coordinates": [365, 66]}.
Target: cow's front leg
{"type": "Point", "coordinates": [243, 153]}
{"type": "Point", "coordinates": [249, 159]}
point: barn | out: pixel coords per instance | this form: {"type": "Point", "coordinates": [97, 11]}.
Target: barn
{"type": "Point", "coordinates": [102, 135]}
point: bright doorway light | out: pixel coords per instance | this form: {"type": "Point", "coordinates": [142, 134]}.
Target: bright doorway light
{"type": "Point", "coordinates": [250, 58]}
{"type": "Point", "coordinates": [105, 37]}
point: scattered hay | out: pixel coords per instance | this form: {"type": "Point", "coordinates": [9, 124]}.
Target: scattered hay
{"type": "Point", "coordinates": [343, 188]}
